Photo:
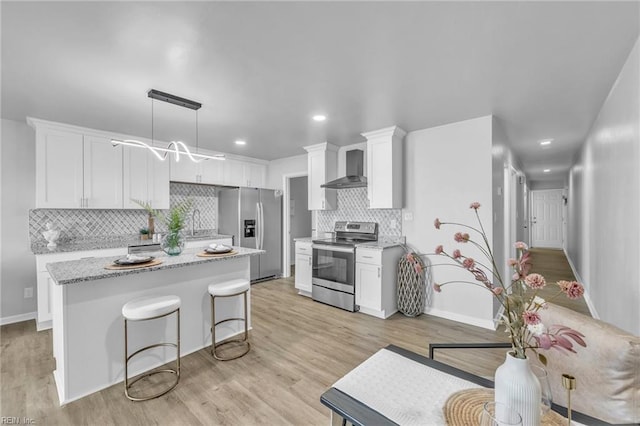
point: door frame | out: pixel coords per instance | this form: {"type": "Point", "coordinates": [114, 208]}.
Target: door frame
{"type": "Point", "coordinates": [286, 223]}
{"type": "Point", "coordinates": [531, 212]}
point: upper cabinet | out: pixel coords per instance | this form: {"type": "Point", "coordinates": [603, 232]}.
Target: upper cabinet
{"type": "Point", "coordinates": [146, 179]}
{"type": "Point", "coordinates": [230, 172]}
{"type": "Point", "coordinates": [384, 159]}
{"type": "Point", "coordinates": [322, 160]}
{"type": "Point", "coordinates": [75, 170]}
{"type": "Point", "coordinates": [81, 168]}
{"type": "Point", "coordinates": [206, 171]}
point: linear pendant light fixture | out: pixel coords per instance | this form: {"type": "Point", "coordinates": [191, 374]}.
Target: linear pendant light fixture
{"type": "Point", "coordinates": [176, 147]}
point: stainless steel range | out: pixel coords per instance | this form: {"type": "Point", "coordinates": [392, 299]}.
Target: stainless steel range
{"type": "Point", "coordinates": [334, 263]}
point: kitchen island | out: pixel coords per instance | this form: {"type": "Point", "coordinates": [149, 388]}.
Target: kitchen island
{"type": "Point", "coordinates": [87, 300]}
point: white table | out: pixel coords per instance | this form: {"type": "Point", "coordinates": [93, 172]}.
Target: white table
{"type": "Point", "coordinates": [396, 386]}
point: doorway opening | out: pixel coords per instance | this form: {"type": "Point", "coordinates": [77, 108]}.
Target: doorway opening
{"type": "Point", "coordinates": [296, 218]}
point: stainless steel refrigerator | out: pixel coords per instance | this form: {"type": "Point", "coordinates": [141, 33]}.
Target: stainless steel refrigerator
{"type": "Point", "coordinates": [254, 218]}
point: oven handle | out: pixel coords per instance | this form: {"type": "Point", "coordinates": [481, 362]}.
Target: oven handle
{"type": "Point", "coordinates": [333, 248]}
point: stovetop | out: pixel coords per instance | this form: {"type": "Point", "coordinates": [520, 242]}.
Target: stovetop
{"type": "Point", "coordinates": [346, 242]}
{"type": "Point", "coordinates": [348, 234]}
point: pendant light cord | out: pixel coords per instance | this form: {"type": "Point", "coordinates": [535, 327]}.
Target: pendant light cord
{"type": "Point", "coordinates": [151, 121]}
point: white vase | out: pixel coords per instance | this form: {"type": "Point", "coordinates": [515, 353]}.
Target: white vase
{"type": "Point", "coordinates": [517, 387]}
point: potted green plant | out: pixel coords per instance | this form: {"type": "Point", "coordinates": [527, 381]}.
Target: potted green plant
{"type": "Point", "coordinates": [173, 242]}
{"type": "Point", "coordinates": [144, 233]}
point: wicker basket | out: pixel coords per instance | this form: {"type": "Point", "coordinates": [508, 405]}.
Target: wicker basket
{"type": "Point", "coordinates": [412, 287]}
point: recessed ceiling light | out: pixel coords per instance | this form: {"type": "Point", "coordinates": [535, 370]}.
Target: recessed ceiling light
{"type": "Point", "coordinates": [319, 117]}
{"type": "Point", "coordinates": [240, 142]}
{"type": "Point", "coordinates": [546, 170]}
{"type": "Point", "coordinates": [546, 142]}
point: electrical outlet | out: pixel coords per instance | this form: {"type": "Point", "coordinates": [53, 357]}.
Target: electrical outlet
{"type": "Point", "coordinates": [408, 216]}
{"type": "Point", "coordinates": [28, 292]}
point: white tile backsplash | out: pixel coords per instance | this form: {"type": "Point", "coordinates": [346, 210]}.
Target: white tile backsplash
{"type": "Point", "coordinates": [353, 205]}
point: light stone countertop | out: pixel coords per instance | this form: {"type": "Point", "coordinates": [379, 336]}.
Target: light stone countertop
{"type": "Point", "coordinates": [118, 241]}
{"type": "Point", "coordinates": [78, 271]}
{"type": "Point", "coordinates": [383, 243]}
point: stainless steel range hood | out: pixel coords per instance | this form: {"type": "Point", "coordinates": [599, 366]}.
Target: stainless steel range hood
{"type": "Point", "coordinates": [355, 171]}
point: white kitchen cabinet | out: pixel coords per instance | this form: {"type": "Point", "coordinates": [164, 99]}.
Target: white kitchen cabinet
{"type": "Point", "coordinates": [304, 267]}
{"type": "Point", "coordinates": [59, 169]}
{"type": "Point", "coordinates": [184, 170]}
{"type": "Point", "coordinates": [207, 171]}
{"type": "Point", "coordinates": [244, 173]}
{"type": "Point", "coordinates": [102, 173]}
{"type": "Point", "coordinates": [45, 282]}
{"type": "Point", "coordinates": [211, 172]}
{"type": "Point", "coordinates": [76, 170]}
{"type": "Point", "coordinates": [254, 175]}
{"type": "Point", "coordinates": [145, 179]}
{"type": "Point", "coordinates": [384, 160]}
{"type": "Point", "coordinates": [376, 271]}
{"type": "Point", "coordinates": [322, 162]}
{"type": "Point", "coordinates": [233, 173]}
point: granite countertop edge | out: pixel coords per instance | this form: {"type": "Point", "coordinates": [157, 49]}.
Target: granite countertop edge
{"type": "Point", "coordinates": [381, 244]}
{"type": "Point", "coordinates": [91, 269]}
{"type": "Point", "coordinates": [118, 242]}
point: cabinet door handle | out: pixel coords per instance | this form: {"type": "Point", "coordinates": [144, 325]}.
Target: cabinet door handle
{"type": "Point", "coordinates": [368, 257]}
{"type": "Point", "coordinates": [309, 260]}
{"type": "Point", "coordinates": [81, 202]}
{"type": "Point", "coordinates": [378, 272]}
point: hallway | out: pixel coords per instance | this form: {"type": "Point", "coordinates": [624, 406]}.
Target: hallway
{"type": "Point", "coordinates": [553, 265]}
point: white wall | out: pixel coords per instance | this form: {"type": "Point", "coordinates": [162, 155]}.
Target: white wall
{"type": "Point", "coordinates": [604, 203]}
{"type": "Point", "coordinates": [17, 263]}
{"type": "Point", "coordinates": [501, 187]}
{"type": "Point", "coordinates": [541, 185]}
{"type": "Point", "coordinates": [276, 169]}
{"type": "Point", "coordinates": [447, 168]}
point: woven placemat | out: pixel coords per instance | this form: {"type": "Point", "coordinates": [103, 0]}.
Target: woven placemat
{"type": "Point", "coordinates": [115, 267]}
{"type": "Point", "coordinates": [465, 407]}
{"type": "Point", "coordinates": [205, 254]}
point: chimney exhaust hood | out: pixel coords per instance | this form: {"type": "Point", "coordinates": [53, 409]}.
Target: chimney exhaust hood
{"type": "Point", "coordinates": [354, 177]}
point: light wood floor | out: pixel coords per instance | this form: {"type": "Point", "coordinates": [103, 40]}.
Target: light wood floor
{"type": "Point", "coordinates": [299, 348]}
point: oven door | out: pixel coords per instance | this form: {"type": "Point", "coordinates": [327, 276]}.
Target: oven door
{"type": "Point", "coordinates": [334, 267]}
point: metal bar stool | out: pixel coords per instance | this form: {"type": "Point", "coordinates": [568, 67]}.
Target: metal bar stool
{"type": "Point", "coordinates": [229, 289]}
{"type": "Point", "coordinates": [143, 309]}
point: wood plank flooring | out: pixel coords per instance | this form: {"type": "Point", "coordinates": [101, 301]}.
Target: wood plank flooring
{"type": "Point", "coordinates": [299, 348]}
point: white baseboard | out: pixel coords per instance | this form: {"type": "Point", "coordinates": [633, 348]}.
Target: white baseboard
{"type": "Point", "coordinates": [18, 318]}
{"type": "Point", "coordinates": [488, 324]}
{"type": "Point", "coordinates": [587, 298]}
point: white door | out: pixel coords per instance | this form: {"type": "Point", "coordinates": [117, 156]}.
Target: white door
{"type": "Point", "coordinates": [546, 218]}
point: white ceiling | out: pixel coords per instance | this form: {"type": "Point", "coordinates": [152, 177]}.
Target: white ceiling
{"type": "Point", "coordinates": [262, 69]}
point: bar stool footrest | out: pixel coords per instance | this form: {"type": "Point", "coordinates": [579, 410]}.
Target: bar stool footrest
{"type": "Point", "coordinates": [217, 345]}
{"type": "Point", "coordinates": [156, 395]}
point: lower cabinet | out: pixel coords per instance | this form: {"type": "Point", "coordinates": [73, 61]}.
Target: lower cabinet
{"type": "Point", "coordinates": [376, 271]}
{"type": "Point", "coordinates": [304, 267]}
{"type": "Point", "coordinates": [45, 282]}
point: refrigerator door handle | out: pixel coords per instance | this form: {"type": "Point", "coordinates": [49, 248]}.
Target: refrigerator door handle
{"type": "Point", "coordinates": [261, 226]}
{"type": "Point", "coordinates": [257, 228]}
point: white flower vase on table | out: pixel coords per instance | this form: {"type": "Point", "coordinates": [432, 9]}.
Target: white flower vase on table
{"type": "Point", "coordinates": [515, 383]}
{"type": "Point", "coordinates": [517, 387]}
{"type": "Point", "coordinates": [51, 235]}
